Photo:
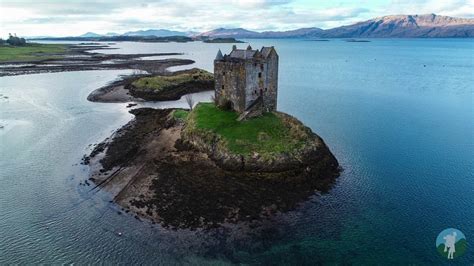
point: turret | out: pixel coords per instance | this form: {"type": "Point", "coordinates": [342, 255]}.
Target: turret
{"type": "Point", "coordinates": [219, 55]}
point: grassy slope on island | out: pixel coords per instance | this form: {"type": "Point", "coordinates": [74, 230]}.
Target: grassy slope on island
{"type": "Point", "coordinates": [162, 88]}
{"type": "Point", "coordinates": [180, 114]}
{"type": "Point", "coordinates": [32, 51]}
{"type": "Point", "coordinates": [265, 135]}
{"type": "Point", "coordinates": [160, 83]}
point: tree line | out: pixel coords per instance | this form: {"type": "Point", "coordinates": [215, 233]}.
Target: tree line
{"type": "Point", "coordinates": [13, 40]}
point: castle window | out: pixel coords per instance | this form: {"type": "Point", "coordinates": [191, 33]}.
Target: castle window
{"type": "Point", "coordinates": [255, 64]}
{"type": "Point", "coordinates": [223, 73]}
{"type": "Point", "coordinates": [222, 87]}
{"type": "Point", "coordinates": [261, 67]}
{"type": "Point", "coordinates": [260, 74]}
{"type": "Point", "coordinates": [265, 89]}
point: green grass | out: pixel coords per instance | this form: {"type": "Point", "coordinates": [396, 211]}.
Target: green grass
{"type": "Point", "coordinates": [29, 52]}
{"type": "Point", "coordinates": [180, 114]}
{"type": "Point", "coordinates": [265, 135]}
{"type": "Point", "coordinates": [159, 83]}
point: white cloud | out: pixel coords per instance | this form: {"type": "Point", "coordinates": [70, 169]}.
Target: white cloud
{"type": "Point", "coordinates": [66, 18]}
{"type": "Point", "coordinates": [455, 8]}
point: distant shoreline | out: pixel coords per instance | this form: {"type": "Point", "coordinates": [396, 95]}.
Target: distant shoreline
{"type": "Point", "coordinates": [79, 58]}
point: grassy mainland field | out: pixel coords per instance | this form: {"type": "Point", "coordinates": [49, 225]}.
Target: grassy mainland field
{"type": "Point", "coordinates": [267, 134]}
{"type": "Point", "coordinates": [31, 52]}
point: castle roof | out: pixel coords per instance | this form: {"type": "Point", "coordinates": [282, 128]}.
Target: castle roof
{"type": "Point", "coordinates": [266, 51]}
{"type": "Point", "coordinates": [219, 55]}
{"type": "Point", "coordinates": [243, 54]}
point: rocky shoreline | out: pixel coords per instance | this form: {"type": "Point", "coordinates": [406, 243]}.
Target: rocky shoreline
{"type": "Point", "coordinates": [154, 173]}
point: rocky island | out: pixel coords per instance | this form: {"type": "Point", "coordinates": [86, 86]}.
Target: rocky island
{"type": "Point", "coordinates": [158, 86]}
{"type": "Point", "coordinates": [234, 160]}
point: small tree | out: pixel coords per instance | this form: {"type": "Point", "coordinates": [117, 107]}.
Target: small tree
{"type": "Point", "coordinates": [189, 99]}
{"type": "Point", "coordinates": [15, 41]}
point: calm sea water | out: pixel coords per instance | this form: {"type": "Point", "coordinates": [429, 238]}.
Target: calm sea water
{"type": "Point", "coordinates": [398, 114]}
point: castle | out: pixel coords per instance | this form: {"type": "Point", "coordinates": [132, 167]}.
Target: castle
{"type": "Point", "coordinates": [246, 81]}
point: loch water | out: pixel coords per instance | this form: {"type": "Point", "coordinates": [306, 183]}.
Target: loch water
{"type": "Point", "coordinates": [397, 114]}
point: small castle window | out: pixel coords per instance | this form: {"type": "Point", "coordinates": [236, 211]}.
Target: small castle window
{"type": "Point", "coordinates": [255, 64]}
{"type": "Point", "coordinates": [265, 89]}
{"type": "Point", "coordinates": [261, 67]}
{"type": "Point", "coordinates": [222, 87]}
{"type": "Point", "coordinates": [260, 74]}
{"type": "Point", "coordinates": [223, 73]}
{"type": "Point", "coordinates": [255, 92]}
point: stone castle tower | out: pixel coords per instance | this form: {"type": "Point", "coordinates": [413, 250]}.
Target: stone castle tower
{"type": "Point", "coordinates": [247, 80]}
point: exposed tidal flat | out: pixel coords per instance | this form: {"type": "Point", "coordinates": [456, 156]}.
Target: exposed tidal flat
{"type": "Point", "coordinates": [181, 171]}
{"type": "Point", "coordinates": [396, 113]}
{"type": "Point", "coordinates": [34, 58]}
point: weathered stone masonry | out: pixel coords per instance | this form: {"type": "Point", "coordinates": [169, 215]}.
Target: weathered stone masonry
{"type": "Point", "coordinates": [246, 76]}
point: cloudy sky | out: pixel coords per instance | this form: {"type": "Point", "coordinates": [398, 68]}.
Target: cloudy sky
{"type": "Point", "coordinates": [75, 17]}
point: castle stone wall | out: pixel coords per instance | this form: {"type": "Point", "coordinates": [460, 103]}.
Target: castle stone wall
{"type": "Point", "coordinates": [240, 81]}
{"type": "Point", "coordinates": [271, 95]}
{"type": "Point", "coordinates": [230, 84]}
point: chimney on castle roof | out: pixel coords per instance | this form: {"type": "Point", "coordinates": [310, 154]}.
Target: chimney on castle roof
{"type": "Point", "coordinates": [219, 55]}
{"type": "Point", "coordinates": [234, 47]}
{"type": "Point", "coordinates": [249, 47]}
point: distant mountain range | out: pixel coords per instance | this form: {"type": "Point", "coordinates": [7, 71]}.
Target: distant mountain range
{"type": "Point", "coordinates": [406, 26]}
{"type": "Point", "coordinates": [150, 32]}
{"type": "Point", "coordinates": [158, 33]}
{"type": "Point", "coordinates": [243, 33]}
{"type": "Point", "coordinates": [90, 35]}
{"type": "Point", "coordinates": [398, 26]}
{"type": "Point", "coordinates": [401, 26]}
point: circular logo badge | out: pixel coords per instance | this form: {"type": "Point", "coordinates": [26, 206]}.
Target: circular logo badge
{"type": "Point", "coordinates": [451, 243]}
